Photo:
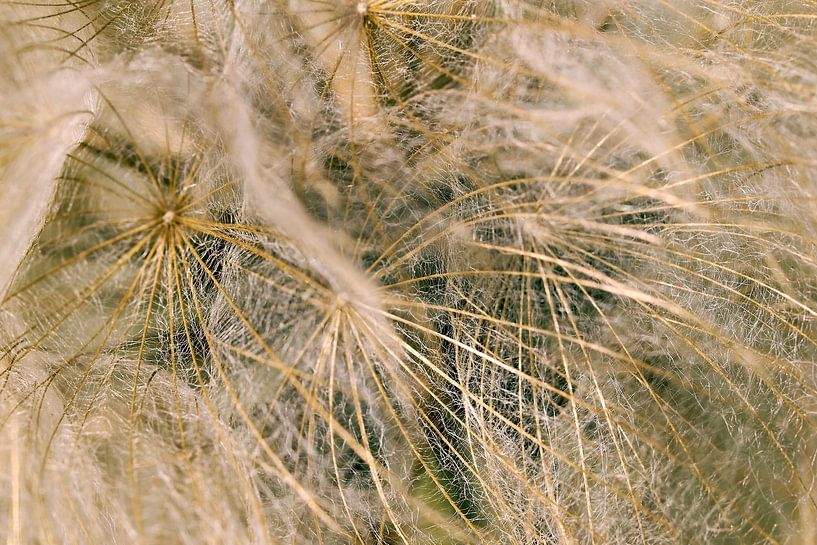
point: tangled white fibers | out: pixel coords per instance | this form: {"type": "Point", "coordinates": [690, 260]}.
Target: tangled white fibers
{"type": "Point", "coordinates": [451, 272]}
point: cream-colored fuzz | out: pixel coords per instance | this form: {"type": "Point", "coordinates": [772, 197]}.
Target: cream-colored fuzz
{"type": "Point", "coordinates": [338, 37]}
{"type": "Point", "coordinates": [408, 272]}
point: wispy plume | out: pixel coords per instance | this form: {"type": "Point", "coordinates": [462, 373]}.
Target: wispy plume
{"type": "Point", "coordinates": [407, 272]}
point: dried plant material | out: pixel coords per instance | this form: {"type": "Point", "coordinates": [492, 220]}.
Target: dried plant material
{"type": "Point", "coordinates": [440, 271]}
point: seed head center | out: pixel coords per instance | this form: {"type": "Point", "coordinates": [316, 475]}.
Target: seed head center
{"type": "Point", "coordinates": [169, 217]}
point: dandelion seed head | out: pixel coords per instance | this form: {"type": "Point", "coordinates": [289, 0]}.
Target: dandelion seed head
{"type": "Point", "coordinates": [470, 272]}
